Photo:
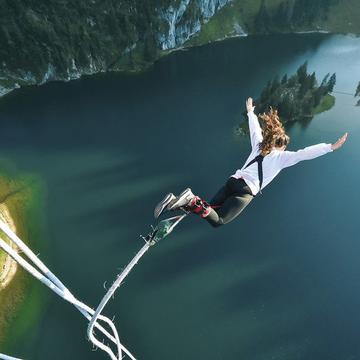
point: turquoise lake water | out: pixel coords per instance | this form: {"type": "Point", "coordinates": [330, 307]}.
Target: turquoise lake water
{"type": "Point", "coordinates": [281, 282]}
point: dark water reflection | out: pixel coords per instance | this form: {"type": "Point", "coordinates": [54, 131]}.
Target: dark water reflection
{"type": "Point", "coordinates": [281, 282]}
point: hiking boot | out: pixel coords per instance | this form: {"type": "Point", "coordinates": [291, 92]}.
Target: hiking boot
{"type": "Point", "coordinates": [163, 204]}
{"type": "Point", "coordinates": [182, 200]}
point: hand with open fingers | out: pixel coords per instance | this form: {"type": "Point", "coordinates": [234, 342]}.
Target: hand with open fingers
{"type": "Point", "coordinates": [249, 105]}
{"type": "Point", "coordinates": [340, 142]}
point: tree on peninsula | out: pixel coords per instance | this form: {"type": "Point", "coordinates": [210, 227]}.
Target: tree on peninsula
{"type": "Point", "coordinates": [357, 94]}
{"type": "Point", "coordinates": [297, 97]}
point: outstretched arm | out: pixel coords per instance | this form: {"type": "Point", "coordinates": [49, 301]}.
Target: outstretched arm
{"type": "Point", "coordinates": [254, 126]}
{"type": "Point", "coordinates": [289, 158]}
{"type": "Point", "coordinates": [340, 142]}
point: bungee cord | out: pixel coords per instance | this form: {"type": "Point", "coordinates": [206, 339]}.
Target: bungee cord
{"type": "Point", "coordinates": [45, 276]}
{"type": "Point", "coordinates": [6, 357]}
{"type": "Point", "coordinates": [162, 229]}
{"type": "Point", "coordinates": [343, 93]}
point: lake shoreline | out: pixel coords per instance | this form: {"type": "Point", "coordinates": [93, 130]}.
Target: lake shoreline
{"type": "Point", "coordinates": [8, 266]}
{"type": "Point", "coordinates": [19, 208]}
{"type": "Point", "coordinates": [141, 69]}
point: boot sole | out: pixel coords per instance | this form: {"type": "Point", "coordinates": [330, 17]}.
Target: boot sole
{"type": "Point", "coordinates": [178, 203]}
{"type": "Point", "coordinates": [159, 209]}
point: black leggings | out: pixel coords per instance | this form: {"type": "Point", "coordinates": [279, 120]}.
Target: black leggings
{"type": "Point", "coordinates": [229, 202]}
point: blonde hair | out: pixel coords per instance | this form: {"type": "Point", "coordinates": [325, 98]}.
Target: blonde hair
{"type": "Point", "coordinates": [273, 132]}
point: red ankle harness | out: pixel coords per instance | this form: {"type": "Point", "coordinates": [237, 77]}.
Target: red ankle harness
{"type": "Point", "coordinates": [199, 206]}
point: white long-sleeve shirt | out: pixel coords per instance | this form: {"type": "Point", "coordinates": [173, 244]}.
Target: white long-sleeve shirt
{"type": "Point", "coordinates": [275, 161]}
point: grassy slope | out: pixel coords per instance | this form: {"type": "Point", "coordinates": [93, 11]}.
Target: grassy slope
{"type": "Point", "coordinates": [24, 204]}
{"type": "Point", "coordinates": [221, 25]}
{"type": "Point", "coordinates": [326, 104]}
{"type": "Point", "coordinates": [343, 18]}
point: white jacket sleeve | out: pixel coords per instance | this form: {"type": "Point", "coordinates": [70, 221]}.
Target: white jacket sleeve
{"type": "Point", "coordinates": [289, 158]}
{"type": "Point", "coordinates": [255, 129]}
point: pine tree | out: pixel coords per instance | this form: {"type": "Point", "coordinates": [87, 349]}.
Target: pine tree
{"type": "Point", "coordinates": [357, 93]}
{"type": "Point", "coordinates": [331, 83]}
{"type": "Point", "coordinates": [275, 84]}
{"type": "Point", "coordinates": [292, 81]}
{"type": "Point", "coordinates": [307, 11]}
{"type": "Point", "coordinates": [262, 20]}
{"type": "Point", "coordinates": [302, 73]}
{"type": "Point", "coordinates": [308, 105]}
{"type": "Point", "coordinates": [323, 89]}
{"type": "Point", "coordinates": [312, 80]}
{"type": "Point", "coordinates": [286, 107]}
{"type": "Point", "coordinates": [281, 17]}
{"type": "Point", "coordinates": [316, 94]}
{"type": "Point", "coordinates": [325, 80]}
{"type": "Point", "coordinates": [266, 93]}
{"type": "Point", "coordinates": [285, 79]}
{"type": "Point", "coordinates": [150, 48]}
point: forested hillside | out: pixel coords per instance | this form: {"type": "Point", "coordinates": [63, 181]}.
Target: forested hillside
{"type": "Point", "coordinates": [47, 40]}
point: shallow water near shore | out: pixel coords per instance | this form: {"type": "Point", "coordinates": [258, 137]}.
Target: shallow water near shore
{"type": "Point", "coordinates": [280, 282]}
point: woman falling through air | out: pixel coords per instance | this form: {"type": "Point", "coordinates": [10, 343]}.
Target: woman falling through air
{"type": "Point", "coordinates": [267, 158]}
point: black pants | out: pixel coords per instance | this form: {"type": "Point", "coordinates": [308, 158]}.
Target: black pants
{"type": "Point", "coordinates": [229, 202]}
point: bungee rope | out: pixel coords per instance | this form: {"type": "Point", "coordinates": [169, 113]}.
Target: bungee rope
{"type": "Point", "coordinates": [163, 229]}
{"type": "Point", "coordinates": [45, 276]}
{"type": "Point", "coordinates": [6, 357]}
{"type": "Point", "coordinates": [343, 93]}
